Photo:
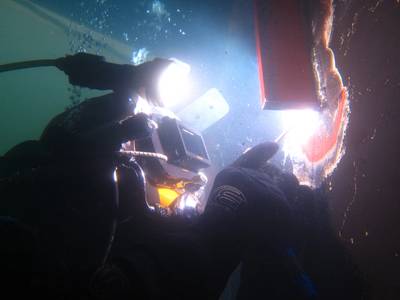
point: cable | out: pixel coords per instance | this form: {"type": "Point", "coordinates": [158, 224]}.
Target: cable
{"type": "Point", "coordinates": [145, 154]}
{"type": "Point", "coordinates": [28, 64]}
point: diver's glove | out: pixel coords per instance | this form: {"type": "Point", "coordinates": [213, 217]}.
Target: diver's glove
{"type": "Point", "coordinates": [235, 186]}
{"type": "Point", "coordinates": [251, 205]}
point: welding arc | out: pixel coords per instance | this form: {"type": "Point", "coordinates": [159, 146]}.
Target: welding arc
{"type": "Point", "coordinates": [28, 64]}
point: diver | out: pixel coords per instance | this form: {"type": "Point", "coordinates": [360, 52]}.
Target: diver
{"type": "Point", "coordinates": [250, 218]}
{"type": "Point", "coordinates": [38, 184]}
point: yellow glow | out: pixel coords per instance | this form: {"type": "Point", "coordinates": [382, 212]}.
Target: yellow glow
{"type": "Point", "coordinates": [167, 196]}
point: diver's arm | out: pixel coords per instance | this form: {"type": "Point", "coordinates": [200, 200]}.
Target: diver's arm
{"type": "Point", "coordinates": [109, 137]}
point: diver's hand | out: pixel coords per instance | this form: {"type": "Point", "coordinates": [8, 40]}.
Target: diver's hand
{"type": "Point", "coordinates": [235, 185]}
{"type": "Point", "coordinates": [257, 157]}
{"type": "Point", "coordinates": [137, 127]}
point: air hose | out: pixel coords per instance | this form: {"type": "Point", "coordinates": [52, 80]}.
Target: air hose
{"type": "Point", "coordinates": [28, 64]}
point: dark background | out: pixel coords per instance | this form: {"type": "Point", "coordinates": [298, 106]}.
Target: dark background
{"type": "Point", "coordinates": [365, 199]}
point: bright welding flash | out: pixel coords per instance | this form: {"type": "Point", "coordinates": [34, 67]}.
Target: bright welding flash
{"type": "Point", "coordinates": [299, 126]}
{"type": "Point", "coordinates": [174, 83]}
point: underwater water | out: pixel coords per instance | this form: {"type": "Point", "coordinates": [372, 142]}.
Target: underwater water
{"type": "Point", "coordinates": [216, 38]}
{"type": "Point", "coordinates": [220, 51]}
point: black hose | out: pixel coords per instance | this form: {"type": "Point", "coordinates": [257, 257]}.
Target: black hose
{"type": "Point", "coordinates": [27, 64]}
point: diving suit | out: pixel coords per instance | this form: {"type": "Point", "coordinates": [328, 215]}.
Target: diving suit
{"type": "Point", "coordinates": [248, 218]}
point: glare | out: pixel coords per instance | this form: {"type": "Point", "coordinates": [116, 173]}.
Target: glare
{"type": "Point", "coordinates": [142, 106]}
{"type": "Point", "coordinates": [174, 83]}
{"type": "Point", "coordinates": [115, 176]}
{"type": "Point", "coordinates": [298, 126]}
{"type": "Point", "coordinates": [188, 201]}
